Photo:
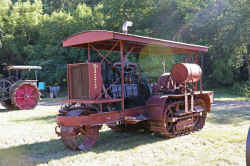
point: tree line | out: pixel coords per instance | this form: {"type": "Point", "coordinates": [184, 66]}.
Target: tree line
{"type": "Point", "coordinates": [31, 32]}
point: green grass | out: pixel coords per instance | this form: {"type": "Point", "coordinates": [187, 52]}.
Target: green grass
{"type": "Point", "coordinates": [27, 138]}
{"type": "Point", "coordinates": [226, 94]}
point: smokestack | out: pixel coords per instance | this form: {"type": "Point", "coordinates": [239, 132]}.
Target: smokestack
{"type": "Point", "coordinates": [126, 25]}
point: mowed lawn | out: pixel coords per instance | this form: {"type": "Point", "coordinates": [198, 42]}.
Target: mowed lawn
{"type": "Point", "coordinates": [27, 138]}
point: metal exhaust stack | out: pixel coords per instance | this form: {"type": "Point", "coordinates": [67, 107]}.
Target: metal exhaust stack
{"type": "Point", "coordinates": [126, 25]}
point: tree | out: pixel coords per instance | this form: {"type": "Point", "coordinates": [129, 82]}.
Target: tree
{"type": "Point", "coordinates": [19, 24]}
{"type": "Point", "coordinates": [66, 5]}
{"type": "Point", "coordinates": [117, 12]}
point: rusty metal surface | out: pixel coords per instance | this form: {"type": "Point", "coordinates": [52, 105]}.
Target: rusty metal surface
{"type": "Point", "coordinates": [122, 75]}
{"type": "Point", "coordinates": [93, 119]}
{"type": "Point", "coordinates": [98, 118]}
{"type": "Point", "coordinates": [184, 124]}
{"type": "Point", "coordinates": [24, 95]}
{"type": "Point", "coordinates": [155, 107]}
{"type": "Point", "coordinates": [79, 140]}
{"type": "Point", "coordinates": [186, 72]}
{"type": "Point", "coordinates": [90, 74]}
{"type": "Point", "coordinates": [95, 80]}
{"type": "Point", "coordinates": [176, 124]}
{"type": "Point", "coordinates": [96, 101]}
{"type": "Point", "coordinates": [207, 96]}
{"type": "Point", "coordinates": [106, 39]}
{"type": "Point", "coordinates": [164, 83]}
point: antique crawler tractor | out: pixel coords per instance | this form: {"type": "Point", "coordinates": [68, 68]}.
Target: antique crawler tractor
{"type": "Point", "coordinates": [116, 94]}
{"type": "Point", "coordinates": [17, 92]}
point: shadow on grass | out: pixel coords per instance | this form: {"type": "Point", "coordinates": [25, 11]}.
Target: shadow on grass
{"type": "Point", "coordinates": [46, 119]}
{"type": "Point", "coordinates": [4, 110]}
{"type": "Point", "coordinates": [43, 152]}
{"type": "Point", "coordinates": [230, 112]}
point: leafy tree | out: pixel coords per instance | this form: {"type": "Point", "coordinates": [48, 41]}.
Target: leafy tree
{"type": "Point", "coordinates": [117, 12]}
{"type": "Point", "coordinates": [66, 5]}
{"type": "Point", "coordinates": [19, 26]}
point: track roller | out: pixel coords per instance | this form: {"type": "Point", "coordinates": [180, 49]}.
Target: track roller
{"type": "Point", "coordinates": [176, 122]}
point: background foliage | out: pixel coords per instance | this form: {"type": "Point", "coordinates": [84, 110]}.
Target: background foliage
{"type": "Point", "coordinates": [31, 32]}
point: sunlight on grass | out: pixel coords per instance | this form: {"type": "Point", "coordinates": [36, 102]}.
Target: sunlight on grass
{"type": "Point", "coordinates": [230, 98]}
{"type": "Point", "coordinates": [52, 100]}
{"type": "Point", "coordinates": [28, 139]}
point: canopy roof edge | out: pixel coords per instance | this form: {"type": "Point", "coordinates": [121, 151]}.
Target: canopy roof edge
{"type": "Point", "coordinates": [104, 38]}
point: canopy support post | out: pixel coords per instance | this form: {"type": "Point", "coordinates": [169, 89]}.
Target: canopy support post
{"type": "Point", "coordinates": [197, 62]}
{"type": "Point", "coordinates": [122, 74]}
{"type": "Point", "coordinates": [88, 52]}
{"type": "Point", "coordinates": [201, 88]}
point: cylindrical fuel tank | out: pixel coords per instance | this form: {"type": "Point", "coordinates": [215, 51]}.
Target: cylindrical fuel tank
{"type": "Point", "coordinates": [186, 72]}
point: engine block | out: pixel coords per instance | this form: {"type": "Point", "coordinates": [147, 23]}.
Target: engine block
{"type": "Point", "coordinates": [129, 90]}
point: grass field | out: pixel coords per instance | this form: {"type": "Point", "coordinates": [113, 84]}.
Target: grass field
{"type": "Point", "coordinates": [27, 138]}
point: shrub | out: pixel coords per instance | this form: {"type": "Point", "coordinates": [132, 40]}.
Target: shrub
{"type": "Point", "coordinates": [242, 88]}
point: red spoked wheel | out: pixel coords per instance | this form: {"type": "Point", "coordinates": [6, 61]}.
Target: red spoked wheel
{"type": "Point", "coordinates": [83, 139]}
{"type": "Point", "coordinates": [79, 138]}
{"type": "Point", "coordinates": [25, 96]}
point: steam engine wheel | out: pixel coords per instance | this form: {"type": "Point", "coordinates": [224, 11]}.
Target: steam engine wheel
{"type": "Point", "coordinates": [24, 95]}
{"type": "Point", "coordinates": [4, 89]}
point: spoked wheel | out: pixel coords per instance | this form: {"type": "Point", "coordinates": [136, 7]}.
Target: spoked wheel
{"type": "Point", "coordinates": [13, 79]}
{"type": "Point", "coordinates": [25, 95]}
{"type": "Point", "coordinates": [199, 121]}
{"type": "Point", "coordinates": [79, 138]}
{"type": "Point", "coordinates": [4, 89]}
{"type": "Point", "coordinates": [83, 139]}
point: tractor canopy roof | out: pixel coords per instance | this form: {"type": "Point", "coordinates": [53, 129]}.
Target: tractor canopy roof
{"type": "Point", "coordinates": [106, 40]}
{"type": "Point", "coordinates": [24, 68]}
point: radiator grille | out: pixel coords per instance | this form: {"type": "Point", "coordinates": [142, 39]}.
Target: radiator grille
{"type": "Point", "coordinates": [81, 81]}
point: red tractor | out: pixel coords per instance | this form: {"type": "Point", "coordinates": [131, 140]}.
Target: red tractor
{"type": "Point", "coordinates": [117, 94]}
{"type": "Point", "coordinates": [17, 92]}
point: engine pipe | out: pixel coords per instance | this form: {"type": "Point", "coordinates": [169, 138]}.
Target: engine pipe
{"type": "Point", "coordinates": [126, 25]}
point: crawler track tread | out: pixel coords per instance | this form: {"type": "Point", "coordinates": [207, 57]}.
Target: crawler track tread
{"type": "Point", "coordinates": [169, 129]}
